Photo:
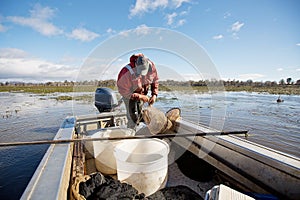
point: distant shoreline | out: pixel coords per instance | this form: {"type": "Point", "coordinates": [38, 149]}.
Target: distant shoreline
{"type": "Point", "coordinates": [46, 89]}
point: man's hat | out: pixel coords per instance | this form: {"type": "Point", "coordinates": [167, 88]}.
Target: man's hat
{"type": "Point", "coordinates": [142, 65]}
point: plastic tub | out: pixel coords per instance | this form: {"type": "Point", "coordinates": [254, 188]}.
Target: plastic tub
{"type": "Point", "coordinates": [104, 150]}
{"type": "Point", "coordinates": [143, 163]}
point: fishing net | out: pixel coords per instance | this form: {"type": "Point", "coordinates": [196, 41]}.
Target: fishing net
{"type": "Point", "coordinates": [97, 186]}
{"type": "Point", "coordinates": [158, 122]}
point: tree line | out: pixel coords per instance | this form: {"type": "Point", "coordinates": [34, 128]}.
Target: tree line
{"type": "Point", "coordinates": [112, 83]}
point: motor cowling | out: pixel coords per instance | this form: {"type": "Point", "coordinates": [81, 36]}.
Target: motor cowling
{"type": "Point", "coordinates": [105, 99]}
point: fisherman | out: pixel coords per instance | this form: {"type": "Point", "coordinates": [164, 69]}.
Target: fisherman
{"type": "Point", "coordinates": [134, 81]}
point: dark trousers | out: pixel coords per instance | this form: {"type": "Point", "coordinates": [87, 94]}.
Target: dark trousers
{"type": "Point", "coordinates": [134, 109]}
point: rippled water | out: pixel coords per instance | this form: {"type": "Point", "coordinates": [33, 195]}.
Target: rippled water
{"type": "Point", "coordinates": [25, 117]}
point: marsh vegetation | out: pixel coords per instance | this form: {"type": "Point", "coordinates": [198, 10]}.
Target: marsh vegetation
{"type": "Point", "coordinates": [288, 88]}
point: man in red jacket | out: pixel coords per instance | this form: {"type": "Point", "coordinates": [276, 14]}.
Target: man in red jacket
{"type": "Point", "coordinates": [134, 81]}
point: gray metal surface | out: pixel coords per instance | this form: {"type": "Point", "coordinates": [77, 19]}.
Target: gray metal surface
{"type": "Point", "coordinates": [51, 178]}
{"type": "Point", "coordinates": [254, 167]}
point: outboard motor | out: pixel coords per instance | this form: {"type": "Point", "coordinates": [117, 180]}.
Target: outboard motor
{"type": "Point", "coordinates": [105, 100]}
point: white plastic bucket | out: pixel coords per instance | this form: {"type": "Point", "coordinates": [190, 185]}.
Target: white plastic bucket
{"type": "Point", "coordinates": [104, 150]}
{"type": "Point", "coordinates": [143, 163]}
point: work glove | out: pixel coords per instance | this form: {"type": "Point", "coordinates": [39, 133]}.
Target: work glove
{"type": "Point", "coordinates": [144, 98]}
{"type": "Point", "coordinates": [152, 100]}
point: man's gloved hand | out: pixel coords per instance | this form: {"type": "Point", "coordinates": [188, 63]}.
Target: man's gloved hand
{"type": "Point", "coordinates": [144, 98]}
{"type": "Point", "coordinates": [152, 100]}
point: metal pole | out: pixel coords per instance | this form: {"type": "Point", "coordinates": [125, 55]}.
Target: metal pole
{"type": "Point", "coordinates": [121, 138]}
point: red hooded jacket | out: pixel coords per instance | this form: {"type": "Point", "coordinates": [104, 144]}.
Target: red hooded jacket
{"type": "Point", "coordinates": [131, 86]}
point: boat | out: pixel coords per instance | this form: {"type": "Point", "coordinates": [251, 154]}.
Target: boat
{"type": "Point", "coordinates": [246, 167]}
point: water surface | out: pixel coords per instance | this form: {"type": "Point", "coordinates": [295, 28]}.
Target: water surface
{"type": "Point", "coordinates": [28, 117]}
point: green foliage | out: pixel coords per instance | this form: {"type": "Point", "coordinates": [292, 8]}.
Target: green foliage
{"type": "Point", "coordinates": [37, 89]}
{"type": "Point", "coordinates": [63, 98]}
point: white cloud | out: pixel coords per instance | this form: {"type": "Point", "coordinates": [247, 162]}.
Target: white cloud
{"type": "Point", "coordinates": [250, 76]}
{"type": "Point", "coordinates": [70, 60]}
{"type": "Point", "coordinates": [298, 44]}
{"type": "Point", "coordinates": [218, 37]}
{"type": "Point", "coordinates": [170, 18]}
{"type": "Point", "coordinates": [39, 20]}
{"type": "Point", "coordinates": [178, 3]}
{"type": "Point", "coordinates": [83, 35]}
{"type": "Point", "coordinates": [142, 30]}
{"type": "Point", "coordinates": [181, 22]}
{"type": "Point", "coordinates": [236, 26]}
{"type": "Point", "coordinates": [146, 6]}
{"type": "Point", "coordinates": [185, 12]}
{"type": "Point", "coordinates": [298, 70]}
{"type": "Point", "coordinates": [172, 21]}
{"type": "Point", "coordinates": [124, 33]}
{"type": "Point", "coordinates": [43, 13]}
{"type": "Point", "coordinates": [280, 69]}
{"type": "Point", "coordinates": [110, 31]}
{"type": "Point", "coordinates": [16, 64]}
{"type": "Point", "coordinates": [12, 53]}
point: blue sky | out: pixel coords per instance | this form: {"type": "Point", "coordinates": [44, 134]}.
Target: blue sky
{"type": "Point", "coordinates": [52, 40]}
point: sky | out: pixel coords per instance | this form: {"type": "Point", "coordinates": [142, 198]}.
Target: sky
{"type": "Point", "coordinates": [54, 40]}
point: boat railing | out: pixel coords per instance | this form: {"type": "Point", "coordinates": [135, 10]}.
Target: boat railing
{"type": "Point", "coordinates": [92, 122]}
{"type": "Point", "coordinates": [51, 178]}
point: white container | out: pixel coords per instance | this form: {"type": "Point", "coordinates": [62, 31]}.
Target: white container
{"type": "Point", "coordinates": [143, 163]}
{"type": "Point", "coordinates": [104, 150]}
